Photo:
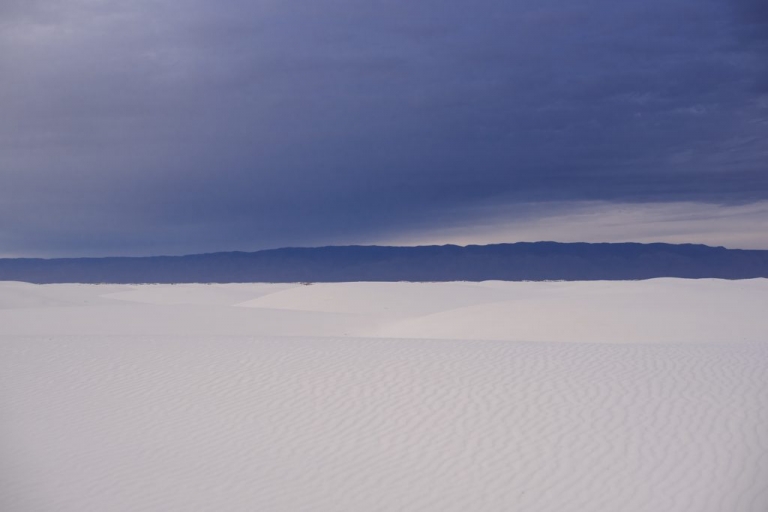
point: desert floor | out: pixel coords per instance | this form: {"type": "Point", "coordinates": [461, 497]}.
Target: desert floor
{"type": "Point", "coordinates": [587, 396]}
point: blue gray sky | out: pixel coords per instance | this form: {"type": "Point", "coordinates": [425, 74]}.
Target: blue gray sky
{"type": "Point", "coordinates": [170, 127]}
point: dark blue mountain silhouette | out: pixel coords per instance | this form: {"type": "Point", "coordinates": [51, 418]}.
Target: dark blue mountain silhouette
{"type": "Point", "coordinates": [510, 262]}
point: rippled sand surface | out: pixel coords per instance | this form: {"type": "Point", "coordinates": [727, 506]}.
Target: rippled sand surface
{"type": "Point", "coordinates": [636, 396]}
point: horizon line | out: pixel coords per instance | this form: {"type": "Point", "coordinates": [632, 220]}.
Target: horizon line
{"type": "Point", "coordinates": [686, 244]}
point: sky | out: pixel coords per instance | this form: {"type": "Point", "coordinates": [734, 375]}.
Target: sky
{"type": "Point", "coordinates": [169, 127]}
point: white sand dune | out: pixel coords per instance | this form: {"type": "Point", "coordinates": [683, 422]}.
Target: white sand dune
{"type": "Point", "coordinates": [658, 310]}
{"type": "Point", "coordinates": [604, 396]}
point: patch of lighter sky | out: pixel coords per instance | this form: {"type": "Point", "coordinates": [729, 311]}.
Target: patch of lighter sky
{"type": "Point", "coordinates": [732, 226]}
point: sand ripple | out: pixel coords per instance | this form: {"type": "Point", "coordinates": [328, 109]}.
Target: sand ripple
{"type": "Point", "coordinates": [167, 423]}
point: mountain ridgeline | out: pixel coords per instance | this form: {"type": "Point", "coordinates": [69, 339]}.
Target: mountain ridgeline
{"type": "Point", "coordinates": [535, 261]}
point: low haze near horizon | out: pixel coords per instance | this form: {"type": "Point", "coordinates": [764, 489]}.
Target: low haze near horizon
{"type": "Point", "coordinates": [160, 127]}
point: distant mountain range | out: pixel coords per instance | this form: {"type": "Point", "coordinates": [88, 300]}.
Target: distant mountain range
{"type": "Point", "coordinates": [535, 261]}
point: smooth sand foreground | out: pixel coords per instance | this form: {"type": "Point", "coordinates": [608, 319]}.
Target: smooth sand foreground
{"type": "Point", "coordinates": [631, 396]}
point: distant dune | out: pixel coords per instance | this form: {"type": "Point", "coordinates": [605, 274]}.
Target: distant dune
{"type": "Point", "coordinates": [538, 261]}
{"type": "Point", "coordinates": [539, 397]}
{"type": "Point", "coordinates": [649, 311]}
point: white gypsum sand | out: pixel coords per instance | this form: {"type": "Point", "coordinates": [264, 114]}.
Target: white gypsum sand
{"type": "Point", "coordinates": [587, 396]}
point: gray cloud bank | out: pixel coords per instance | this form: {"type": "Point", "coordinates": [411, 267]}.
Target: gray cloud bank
{"type": "Point", "coordinates": [150, 127]}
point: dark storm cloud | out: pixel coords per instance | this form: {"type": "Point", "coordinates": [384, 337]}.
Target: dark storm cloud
{"type": "Point", "coordinates": [159, 126]}
{"type": "Point", "coordinates": [753, 12]}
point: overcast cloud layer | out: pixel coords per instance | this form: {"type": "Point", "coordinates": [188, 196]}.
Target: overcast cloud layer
{"type": "Point", "coordinates": [159, 126]}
